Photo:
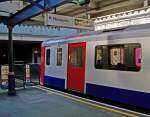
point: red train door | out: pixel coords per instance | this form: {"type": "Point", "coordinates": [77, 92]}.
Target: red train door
{"type": "Point", "coordinates": [76, 66]}
{"type": "Point", "coordinates": [42, 65]}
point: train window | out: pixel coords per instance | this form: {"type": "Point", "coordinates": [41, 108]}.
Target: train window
{"type": "Point", "coordinates": [101, 57]}
{"type": "Point", "coordinates": [133, 57]}
{"type": "Point", "coordinates": [76, 57]}
{"type": "Point", "coordinates": [125, 57]}
{"type": "Point", "coordinates": [138, 57]}
{"type": "Point", "coordinates": [48, 57]}
{"type": "Point", "coordinates": [98, 57]}
{"type": "Point", "coordinates": [59, 56]}
{"type": "Point", "coordinates": [116, 58]}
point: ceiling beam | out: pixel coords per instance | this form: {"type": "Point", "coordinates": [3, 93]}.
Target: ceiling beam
{"type": "Point", "coordinates": [110, 8]}
{"type": "Point", "coordinates": [116, 10]}
{"type": "Point", "coordinates": [34, 10]}
{"type": "Point", "coordinates": [100, 4]}
{"type": "Point", "coordinates": [4, 0]}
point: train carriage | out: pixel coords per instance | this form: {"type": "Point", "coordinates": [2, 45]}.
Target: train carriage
{"type": "Point", "coordinates": [113, 65]}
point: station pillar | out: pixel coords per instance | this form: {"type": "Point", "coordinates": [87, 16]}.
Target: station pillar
{"type": "Point", "coordinates": [11, 75]}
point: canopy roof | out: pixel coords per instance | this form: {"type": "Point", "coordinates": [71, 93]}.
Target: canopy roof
{"type": "Point", "coordinates": [33, 9]}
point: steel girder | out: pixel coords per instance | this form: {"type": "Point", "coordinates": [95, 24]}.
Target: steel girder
{"type": "Point", "coordinates": [34, 9]}
{"type": "Point", "coordinates": [4, 0]}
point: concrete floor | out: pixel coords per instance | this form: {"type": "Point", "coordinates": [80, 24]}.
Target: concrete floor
{"type": "Point", "coordinates": [33, 102]}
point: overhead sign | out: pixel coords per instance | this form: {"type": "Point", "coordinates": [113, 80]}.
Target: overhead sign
{"type": "Point", "coordinates": [66, 21]}
{"type": "Point", "coordinates": [58, 20]}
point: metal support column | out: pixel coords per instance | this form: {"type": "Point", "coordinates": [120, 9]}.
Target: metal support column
{"type": "Point", "coordinates": [55, 10]}
{"type": "Point", "coordinates": [11, 76]}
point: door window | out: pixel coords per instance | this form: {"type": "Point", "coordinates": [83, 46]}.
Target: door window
{"type": "Point", "coordinates": [76, 57]}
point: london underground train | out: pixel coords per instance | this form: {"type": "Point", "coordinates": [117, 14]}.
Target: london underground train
{"type": "Point", "coordinates": [113, 65]}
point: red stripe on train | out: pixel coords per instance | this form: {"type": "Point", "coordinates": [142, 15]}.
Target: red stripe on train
{"type": "Point", "coordinates": [42, 65]}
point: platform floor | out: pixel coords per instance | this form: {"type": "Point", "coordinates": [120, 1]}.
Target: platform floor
{"type": "Point", "coordinates": [36, 102]}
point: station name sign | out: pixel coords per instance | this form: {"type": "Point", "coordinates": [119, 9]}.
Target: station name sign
{"type": "Point", "coordinates": [69, 22]}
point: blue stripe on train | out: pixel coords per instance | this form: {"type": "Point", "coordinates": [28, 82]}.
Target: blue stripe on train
{"type": "Point", "coordinates": [53, 81]}
{"type": "Point", "coordinates": [135, 98]}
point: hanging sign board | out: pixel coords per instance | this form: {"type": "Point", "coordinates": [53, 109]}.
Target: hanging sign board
{"type": "Point", "coordinates": [58, 20]}
{"type": "Point", "coordinates": [69, 22]}
{"type": "Point", "coordinates": [83, 22]}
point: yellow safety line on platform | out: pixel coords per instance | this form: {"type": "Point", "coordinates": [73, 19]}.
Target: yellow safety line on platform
{"type": "Point", "coordinates": [50, 92]}
{"type": "Point", "coordinates": [88, 103]}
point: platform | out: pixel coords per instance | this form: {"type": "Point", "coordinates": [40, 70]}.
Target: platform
{"type": "Point", "coordinates": [42, 102]}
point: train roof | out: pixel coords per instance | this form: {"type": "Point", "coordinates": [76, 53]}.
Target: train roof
{"type": "Point", "coordinates": [119, 33]}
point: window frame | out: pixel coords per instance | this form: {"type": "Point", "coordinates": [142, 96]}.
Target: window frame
{"type": "Point", "coordinates": [129, 48]}
{"type": "Point", "coordinates": [104, 56]}
{"type": "Point", "coordinates": [95, 62]}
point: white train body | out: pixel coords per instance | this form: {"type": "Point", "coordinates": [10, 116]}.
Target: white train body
{"type": "Point", "coordinates": [106, 65]}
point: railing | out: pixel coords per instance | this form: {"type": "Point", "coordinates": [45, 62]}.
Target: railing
{"type": "Point", "coordinates": [35, 73]}
{"type": "Point", "coordinates": [25, 74]}
{"type": "Point", "coordinates": [19, 71]}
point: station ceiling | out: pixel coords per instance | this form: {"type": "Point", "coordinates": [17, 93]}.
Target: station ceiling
{"type": "Point", "coordinates": [95, 8]}
{"type": "Point", "coordinates": [100, 7]}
